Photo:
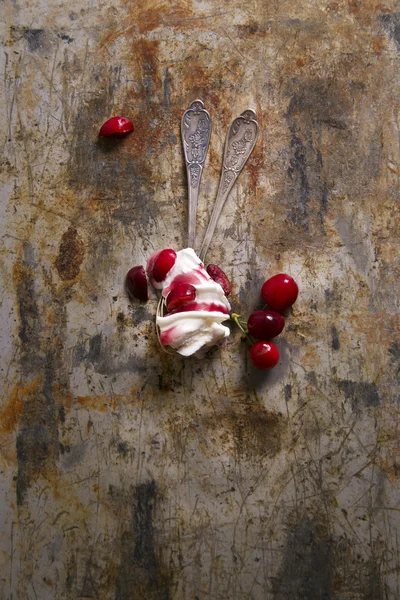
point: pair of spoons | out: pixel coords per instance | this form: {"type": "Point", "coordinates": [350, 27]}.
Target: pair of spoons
{"type": "Point", "coordinates": [240, 141]}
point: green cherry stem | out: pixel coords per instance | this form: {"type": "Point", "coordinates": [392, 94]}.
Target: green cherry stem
{"type": "Point", "coordinates": [236, 319]}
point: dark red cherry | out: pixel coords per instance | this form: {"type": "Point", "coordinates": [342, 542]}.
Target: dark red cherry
{"type": "Point", "coordinates": [163, 263]}
{"type": "Point", "coordinates": [220, 277]}
{"type": "Point", "coordinates": [116, 126]}
{"type": "Point", "coordinates": [180, 295]}
{"type": "Point", "coordinates": [265, 355]}
{"type": "Point", "coordinates": [265, 324]}
{"type": "Point", "coordinates": [137, 283]}
{"type": "Point", "coordinates": [280, 292]}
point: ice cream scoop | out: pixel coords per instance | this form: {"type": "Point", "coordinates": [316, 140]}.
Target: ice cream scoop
{"type": "Point", "coordinates": [195, 325]}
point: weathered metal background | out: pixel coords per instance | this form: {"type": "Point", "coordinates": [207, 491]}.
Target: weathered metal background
{"type": "Point", "coordinates": [128, 473]}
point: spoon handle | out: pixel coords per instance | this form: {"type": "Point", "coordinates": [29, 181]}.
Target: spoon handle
{"type": "Point", "coordinates": [195, 132]}
{"type": "Point", "coordinates": [240, 141]}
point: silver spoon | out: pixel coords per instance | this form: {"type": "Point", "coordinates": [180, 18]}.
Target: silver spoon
{"type": "Point", "coordinates": [240, 141]}
{"type": "Point", "coordinates": [195, 132]}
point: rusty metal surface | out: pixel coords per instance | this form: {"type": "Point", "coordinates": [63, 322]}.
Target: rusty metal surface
{"type": "Point", "coordinates": [128, 473]}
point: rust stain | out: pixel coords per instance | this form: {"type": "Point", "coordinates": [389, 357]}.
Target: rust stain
{"type": "Point", "coordinates": [146, 59]}
{"type": "Point", "coordinates": [103, 403]}
{"type": "Point", "coordinates": [390, 464]}
{"type": "Point", "coordinates": [333, 7]}
{"type": "Point", "coordinates": [258, 433]}
{"type": "Point", "coordinates": [206, 82]}
{"type": "Point", "coordinates": [96, 202]}
{"type": "Point", "coordinates": [310, 357]}
{"type": "Point", "coordinates": [70, 255]}
{"type": "Point", "coordinates": [10, 413]}
{"type": "Point", "coordinates": [366, 10]}
{"type": "Point", "coordinates": [301, 61]}
{"type": "Point", "coordinates": [100, 403]}
{"type": "Point", "coordinates": [253, 28]}
{"type": "Point", "coordinates": [387, 452]}
{"type": "Point", "coordinates": [146, 17]}
{"type": "Point", "coordinates": [378, 44]}
{"type": "Point", "coordinates": [247, 430]}
{"type": "Point", "coordinates": [355, 6]}
{"type": "Point", "coordinates": [147, 135]}
{"type": "Point", "coordinates": [62, 396]}
{"type": "Point", "coordinates": [149, 17]}
{"type": "Point", "coordinates": [377, 330]}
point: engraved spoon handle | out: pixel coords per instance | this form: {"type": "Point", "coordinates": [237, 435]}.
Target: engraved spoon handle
{"type": "Point", "coordinates": [240, 141]}
{"type": "Point", "coordinates": [195, 132]}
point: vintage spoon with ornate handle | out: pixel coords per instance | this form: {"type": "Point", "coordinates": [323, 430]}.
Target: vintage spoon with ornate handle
{"type": "Point", "coordinates": [195, 131]}
{"type": "Point", "coordinates": [240, 141]}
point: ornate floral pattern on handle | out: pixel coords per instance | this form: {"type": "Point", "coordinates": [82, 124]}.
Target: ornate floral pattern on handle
{"type": "Point", "coordinates": [195, 132]}
{"type": "Point", "coordinates": [240, 141]}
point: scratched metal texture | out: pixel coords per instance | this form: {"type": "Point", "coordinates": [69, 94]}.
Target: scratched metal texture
{"type": "Point", "coordinates": [128, 473]}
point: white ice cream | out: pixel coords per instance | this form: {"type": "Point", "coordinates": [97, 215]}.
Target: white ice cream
{"type": "Point", "coordinates": [194, 331]}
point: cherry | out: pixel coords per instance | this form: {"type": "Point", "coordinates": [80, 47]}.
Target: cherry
{"type": "Point", "coordinates": [181, 295]}
{"type": "Point", "coordinates": [137, 283]}
{"type": "Point", "coordinates": [163, 263]}
{"type": "Point", "coordinates": [265, 324]}
{"type": "Point", "coordinates": [219, 277]}
{"type": "Point", "coordinates": [116, 126]}
{"type": "Point", "coordinates": [280, 291]}
{"type": "Point", "coordinates": [265, 355]}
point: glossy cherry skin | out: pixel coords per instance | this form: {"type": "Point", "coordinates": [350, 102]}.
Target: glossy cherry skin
{"type": "Point", "coordinates": [265, 355]}
{"type": "Point", "coordinates": [181, 295]}
{"type": "Point", "coordinates": [116, 126]}
{"type": "Point", "coordinates": [163, 263]}
{"type": "Point", "coordinates": [265, 324]}
{"type": "Point", "coordinates": [137, 283]}
{"type": "Point", "coordinates": [220, 277]}
{"type": "Point", "coordinates": [280, 292]}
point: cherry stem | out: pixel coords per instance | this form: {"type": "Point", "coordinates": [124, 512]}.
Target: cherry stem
{"type": "Point", "coordinates": [236, 318]}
